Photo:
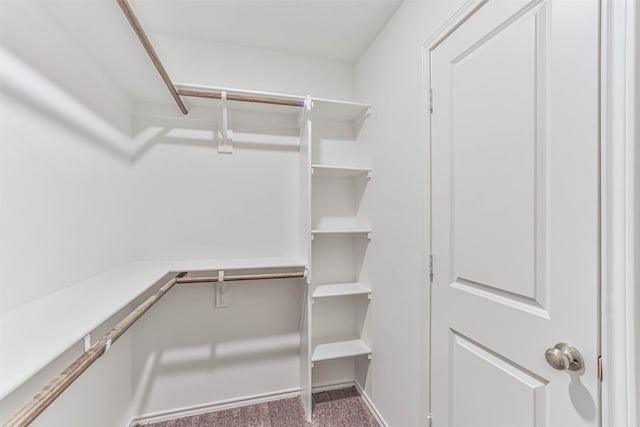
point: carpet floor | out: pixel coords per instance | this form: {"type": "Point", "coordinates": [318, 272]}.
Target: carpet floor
{"type": "Point", "coordinates": [334, 408]}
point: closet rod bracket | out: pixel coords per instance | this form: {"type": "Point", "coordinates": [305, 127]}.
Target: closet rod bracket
{"type": "Point", "coordinates": [225, 135]}
{"type": "Point", "coordinates": [223, 299]}
{"type": "Point", "coordinates": [307, 275]}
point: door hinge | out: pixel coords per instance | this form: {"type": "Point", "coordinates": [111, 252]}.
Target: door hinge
{"type": "Point", "coordinates": [431, 267]}
{"type": "Point", "coordinates": [430, 420]}
{"type": "Point", "coordinates": [430, 101]}
{"type": "Point", "coordinates": [600, 369]}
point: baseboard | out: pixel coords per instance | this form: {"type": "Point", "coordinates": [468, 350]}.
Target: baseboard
{"type": "Point", "coordinates": [370, 405]}
{"type": "Point", "coordinates": [188, 411]}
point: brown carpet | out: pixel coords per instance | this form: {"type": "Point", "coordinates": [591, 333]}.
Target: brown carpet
{"type": "Point", "coordinates": [335, 408]}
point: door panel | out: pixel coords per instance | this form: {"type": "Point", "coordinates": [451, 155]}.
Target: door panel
{"type": "Point", "coordinates": [518, 396]}
{"type": "Point", "coordinates": [515, 214]}
{"type": "Point", "coordinates": [493, 200]}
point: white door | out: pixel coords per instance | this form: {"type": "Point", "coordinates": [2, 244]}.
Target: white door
{"type": "Point", "coordinates": [515, 225]}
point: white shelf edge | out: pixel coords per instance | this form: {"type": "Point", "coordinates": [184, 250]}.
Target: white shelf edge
{"type": "Point", "coordinates": [339, 350]}
{"type": "Point", "coordinates": [341, 102]}
{"type": "Point", "coordinates": [340, 289]}
{"type": "Point", "coordinates": [342, 231]}
{"type": "Point", "coordinates": [334, 170]}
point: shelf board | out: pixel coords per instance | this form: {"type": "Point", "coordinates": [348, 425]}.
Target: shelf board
{"type": "Point", "coordinates": [341, 231]}
{"type": "Point", "coordinates": [339, 171]}
{"type": "Point", "coordinates": [332, 109]}
{"type": "Point", "coordinates": [341, 289]}
{"type": "Point", "coordinates": [339, 110]}
{"type": "Point", "coordinates": [340, 349]}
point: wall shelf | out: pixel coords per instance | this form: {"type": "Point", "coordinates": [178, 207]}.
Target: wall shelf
{"type": "Point", "coordinates": [340, 349]}
{"type": "Point", "coordinates": [341, 231]}
{"type": "Point", "coordinates": [339, 110]}
{"type": "Point", "coordinates": [28, 344]}
{"type": "Point", "coordinates": [341, 289]}
{"type": "Point", "coordinates": [340, 171]}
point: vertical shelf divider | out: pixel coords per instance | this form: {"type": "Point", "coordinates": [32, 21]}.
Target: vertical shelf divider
{"type": "Point", "coordinates": [306, 345]}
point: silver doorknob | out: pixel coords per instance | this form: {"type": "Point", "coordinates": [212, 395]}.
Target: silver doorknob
{"type": "Point", "coordinates": [564, 357]}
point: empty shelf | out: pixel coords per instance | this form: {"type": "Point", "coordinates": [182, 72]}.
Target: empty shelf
{"type": "Point", "coordinates": [340, 171]}
{"type": "Point", "coordinates": [342, 231]}
{"type": "Point", "coordinates": [340, 349]}
{"type": "Point", "coordinates": [340, 289]}
{"type": "Point", "coordinates": [339, 110]}
{"type": "Point", "coordinates": [34, 334]}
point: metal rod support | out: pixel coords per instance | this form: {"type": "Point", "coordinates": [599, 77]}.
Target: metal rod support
{"type": "Point", "coordinates": [146, 43]}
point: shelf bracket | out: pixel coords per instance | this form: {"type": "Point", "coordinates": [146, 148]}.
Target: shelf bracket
{"type": "Point", "coordinates": [307, 275]}
{"type": "Point", "coordinates": [304, 114]}
{"type": "Point", "coordinates": [369, 175]}
{"type": "Point", "coordinates": [359, 122]}
{"type": "Point", "coordinates": [225, 135]}
{"type": "Point", "coordinates": [222, 295]}
{"type": "Point", "coordinates": [369, 236]}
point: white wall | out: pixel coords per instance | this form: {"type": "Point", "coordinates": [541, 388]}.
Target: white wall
{"type": "Point", "coordinates": [62, 187]}
{"type": "Point", "coordinates": [31, 32]}
{"type": "Point", "coordinates": [390, 77]}
{"type": "Point", "coordinates": [62, 192]}
{"type": "Point", "coordinates": [219, 64]}
{"type": "Point", "coordinates": [62, 197]}
{"type": "Point", "coordinates": [189, 201]}
{"type": "Point", "coordinates": [192, 202]}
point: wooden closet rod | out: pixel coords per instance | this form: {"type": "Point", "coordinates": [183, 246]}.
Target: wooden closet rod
{"type": "Point", "coordinates": [176, 93]}
{"type": "Point", "coordinates": [58, 385]}
{"type": "Point", "coordinates": [230, 278]}
{"type": "Point", "coordinates": [146, 43]}
{"type": "Point", "coordinates": [242, 98]}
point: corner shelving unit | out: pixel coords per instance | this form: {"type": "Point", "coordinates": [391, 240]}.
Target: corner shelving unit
{"type": "Point", "coordinates": [336, 177]}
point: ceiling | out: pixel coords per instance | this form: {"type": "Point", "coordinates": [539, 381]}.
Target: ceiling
{"type": "Point", "coordinates": [339, 30]}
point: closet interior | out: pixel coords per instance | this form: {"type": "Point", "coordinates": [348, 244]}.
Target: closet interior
{"type": "Point", "coordinates": [309, 158]}
{"type": "Point", "coordinates": [316, 213]}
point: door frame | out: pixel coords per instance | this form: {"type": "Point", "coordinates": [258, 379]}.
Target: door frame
{"type": "Point", "coordinates": [620, 164]}
{"type": "Point", "coordinates": [619, 314]}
